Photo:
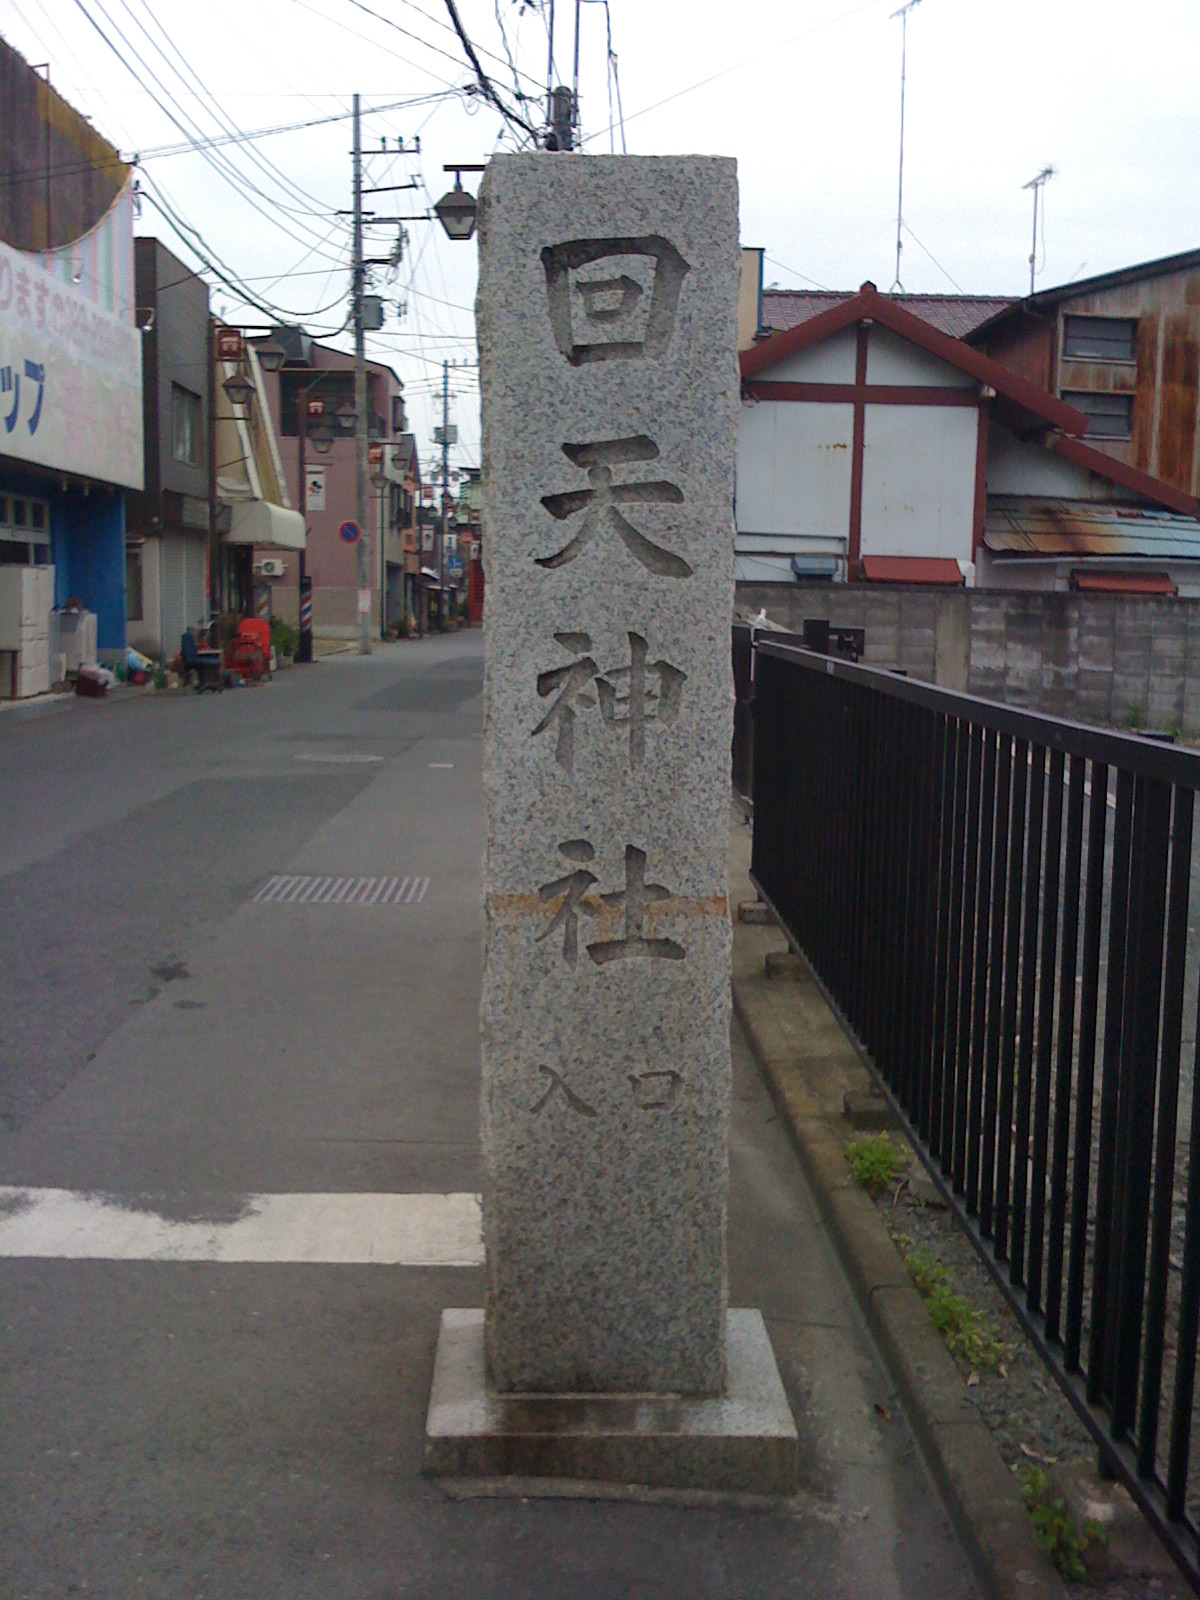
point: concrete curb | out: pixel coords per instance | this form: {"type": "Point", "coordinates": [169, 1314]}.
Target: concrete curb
{"type": "Point", "coordinates": [807, 1070]}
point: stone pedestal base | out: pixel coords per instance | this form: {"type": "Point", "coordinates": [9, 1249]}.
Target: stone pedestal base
{"type": "Point", "coordinates": [743, 1442]}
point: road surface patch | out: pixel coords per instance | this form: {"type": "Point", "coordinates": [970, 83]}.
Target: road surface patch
{"type": "Point", "coordinates": [408, 1230]}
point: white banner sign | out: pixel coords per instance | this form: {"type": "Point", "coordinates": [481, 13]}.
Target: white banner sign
{"type": "Point", "coordinates": [70, 378]}
{"type": "Point", "coordinates": [315, 489]}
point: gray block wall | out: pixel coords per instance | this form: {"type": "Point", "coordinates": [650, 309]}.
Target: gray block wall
{"type": "Point", "coordinates": [1114, 660]}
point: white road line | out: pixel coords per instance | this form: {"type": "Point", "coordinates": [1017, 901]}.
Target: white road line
{"type": "Point", "coordinates": [409, 1230]}
{"type": "Point", "coordinates": [442, 766]}
{"type": "Point", "coordinates": [339, 760]}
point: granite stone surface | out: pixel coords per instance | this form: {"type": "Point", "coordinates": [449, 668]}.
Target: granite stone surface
{"type": "Point", "coordinates": [743, 1441]}
{"type": "Point", "coordinates": [606, 318]}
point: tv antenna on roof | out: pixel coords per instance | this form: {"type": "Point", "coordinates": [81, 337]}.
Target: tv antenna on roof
{"type": "Point", "coordinates": [1036, 184]}
{"type": "Point", "coordinates": [903, 15]}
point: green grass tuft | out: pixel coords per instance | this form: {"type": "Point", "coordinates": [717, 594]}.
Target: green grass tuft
{"type": "Point", "coordinates": [875, 1161]}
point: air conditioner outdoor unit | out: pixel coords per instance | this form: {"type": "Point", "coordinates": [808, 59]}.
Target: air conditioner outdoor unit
{"type": "Point", "coordinates": [271, 567]}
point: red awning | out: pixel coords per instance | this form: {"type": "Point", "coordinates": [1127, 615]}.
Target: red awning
{"type": "Point", "coordinates": [942, 570]}
{"type": "Point", "coordinates": [1123, 582]}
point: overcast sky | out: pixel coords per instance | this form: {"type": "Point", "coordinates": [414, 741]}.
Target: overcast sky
{"type": "Point", "coordinates": [805, 93]}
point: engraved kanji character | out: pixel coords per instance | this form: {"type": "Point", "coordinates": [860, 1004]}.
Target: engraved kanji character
{"type": "Point", "coordinates": [634, 695]}
{"type": "Point", "coordinates": [572, 888]}
{"type": "Point", "coordinates": [40, 293]}
{"type": "Point", "coordinates": [655, 1091]}
{"type": "Point", "coordinates": [22, 292]}
{"type": "Point", "coordinates": [571, 682]}
{"type": "Point", "coordinates": [609, 303]}
{"type": "Point", "coordinates": [640, 704]}
{"type": "Point", "coordinates": [10, 383]}
{"type": "Point", "coordinates": [6, 284]}
{"type": "Point", "coordinates": [601, 500]}
{"type": "Point", "coordinates": [36, 371]}
{"type": "Point", "coordinates": [635, 897]}
{"type": "Point", "coordinates": [559, 1085]}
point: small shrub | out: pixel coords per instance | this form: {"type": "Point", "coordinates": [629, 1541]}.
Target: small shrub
{"type": "Point", "coordinates": [968, 1335]}
{"type": "Point", "coordinates": [284, 638]}
{"type": "Point", "coordinates": [160, 678]}
{"type": "Point", "coordinates": [874, 1162]}
{"type": "Point", "coordinates": [1054, 1529]}
{"type": "Point", "coordinates": [401, 627]}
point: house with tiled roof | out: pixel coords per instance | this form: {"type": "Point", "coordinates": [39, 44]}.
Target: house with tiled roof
{"type": "Point", "coordinates": [875, 447]}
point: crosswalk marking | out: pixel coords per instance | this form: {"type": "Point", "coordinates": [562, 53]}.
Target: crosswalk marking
{"type": "Point", "coordinates": [286, 888]}
{"type": "Point", "coordinates": [409, 1230]}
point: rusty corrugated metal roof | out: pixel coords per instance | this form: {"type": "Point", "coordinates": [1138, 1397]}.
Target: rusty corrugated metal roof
{"type": "Point", "coordinates": [955, 314]}
{"type": "Point", "coordinates": [1024, 525]}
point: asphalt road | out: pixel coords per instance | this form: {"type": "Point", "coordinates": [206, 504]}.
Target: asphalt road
{"type": "Point", "coordinates": [171, 1045]}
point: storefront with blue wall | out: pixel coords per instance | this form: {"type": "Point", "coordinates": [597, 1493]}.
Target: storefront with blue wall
{"type": "Point", "coordinates": [70, 437]}
{"type": "Point", "coordinates": [79, 528]}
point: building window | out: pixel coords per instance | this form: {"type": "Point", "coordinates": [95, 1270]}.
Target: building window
{"type": "Point", "coordinates": [1099, 338]}
{"type": "Point", "coordinates": [1110, 416]}
{"type": "Point", "coordinates": [133, 583]}
{"type": "Point", "coordinates": [185, 424]}
{"type": "Point", "coordinates": [334, 388]}
{"type": "Point", "coordinates": [24, 531]}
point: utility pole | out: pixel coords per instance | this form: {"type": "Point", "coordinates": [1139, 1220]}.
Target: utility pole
{"type": "Point", "coordinates": [361, 421]}
{"type": "Point", "coordinates": [304, 651]}
{"type": "Point", "coordinates": [903, 15]}
{"type": "Point", "coordinates": [441, 536]}
{"type": "Point", "coordinates": [1036, 184]}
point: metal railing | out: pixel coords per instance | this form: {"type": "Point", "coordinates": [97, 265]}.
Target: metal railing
{"type": "Point", "coordinates": [743, 710]}
{"type": "Point", "coordinates": [997, 903]}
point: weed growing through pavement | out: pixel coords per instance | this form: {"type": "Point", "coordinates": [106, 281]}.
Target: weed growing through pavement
{"type": "Point", "coordinates": [970, 1337]}
{"type": "Point", "coordinates": [874, 1162]}
{"type": "Point", "coordinates": [1054, 1529]}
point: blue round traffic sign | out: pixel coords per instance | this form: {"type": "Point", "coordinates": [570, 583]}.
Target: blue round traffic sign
{"type": "Point", "coordinates": [350, 532]}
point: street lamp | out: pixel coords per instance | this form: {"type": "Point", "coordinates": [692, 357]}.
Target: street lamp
{"type": "Point", "coordinates": [457, 209]}
{"type": "Point", "coordinates": [239, 389]}
{"type": "Point", "coordinates": [271, 356]}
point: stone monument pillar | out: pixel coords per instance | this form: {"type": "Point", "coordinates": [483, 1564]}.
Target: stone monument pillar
{"type": "Point", "coordinates": [607, 334]}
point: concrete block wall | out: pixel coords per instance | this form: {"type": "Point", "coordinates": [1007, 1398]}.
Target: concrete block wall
{"type": "Point", "coordinates": [1113, 660]}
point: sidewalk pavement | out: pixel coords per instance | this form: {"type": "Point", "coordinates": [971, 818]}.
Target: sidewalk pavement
{"type": "Point", "coordinates": [202, 1423]}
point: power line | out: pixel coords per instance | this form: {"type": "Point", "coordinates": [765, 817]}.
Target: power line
{"type": "Point", "coordinates": [485, 82]}
{"type": "Point", "coordinates": [220, 269]}
{"type": "Point", "coordinates": [194, 146]}
{"type": "Point", "coordinates": [221, 165]}
{"type": "Point", "coordinates": [263, 162]}
{"type": "Point", "coordinates": [740, 66]}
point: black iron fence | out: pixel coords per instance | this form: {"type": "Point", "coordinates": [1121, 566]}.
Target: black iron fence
{"type": "Point", "coordinates": [998, 904]}
{"type": "Point", "coordinates": [743, 710]}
